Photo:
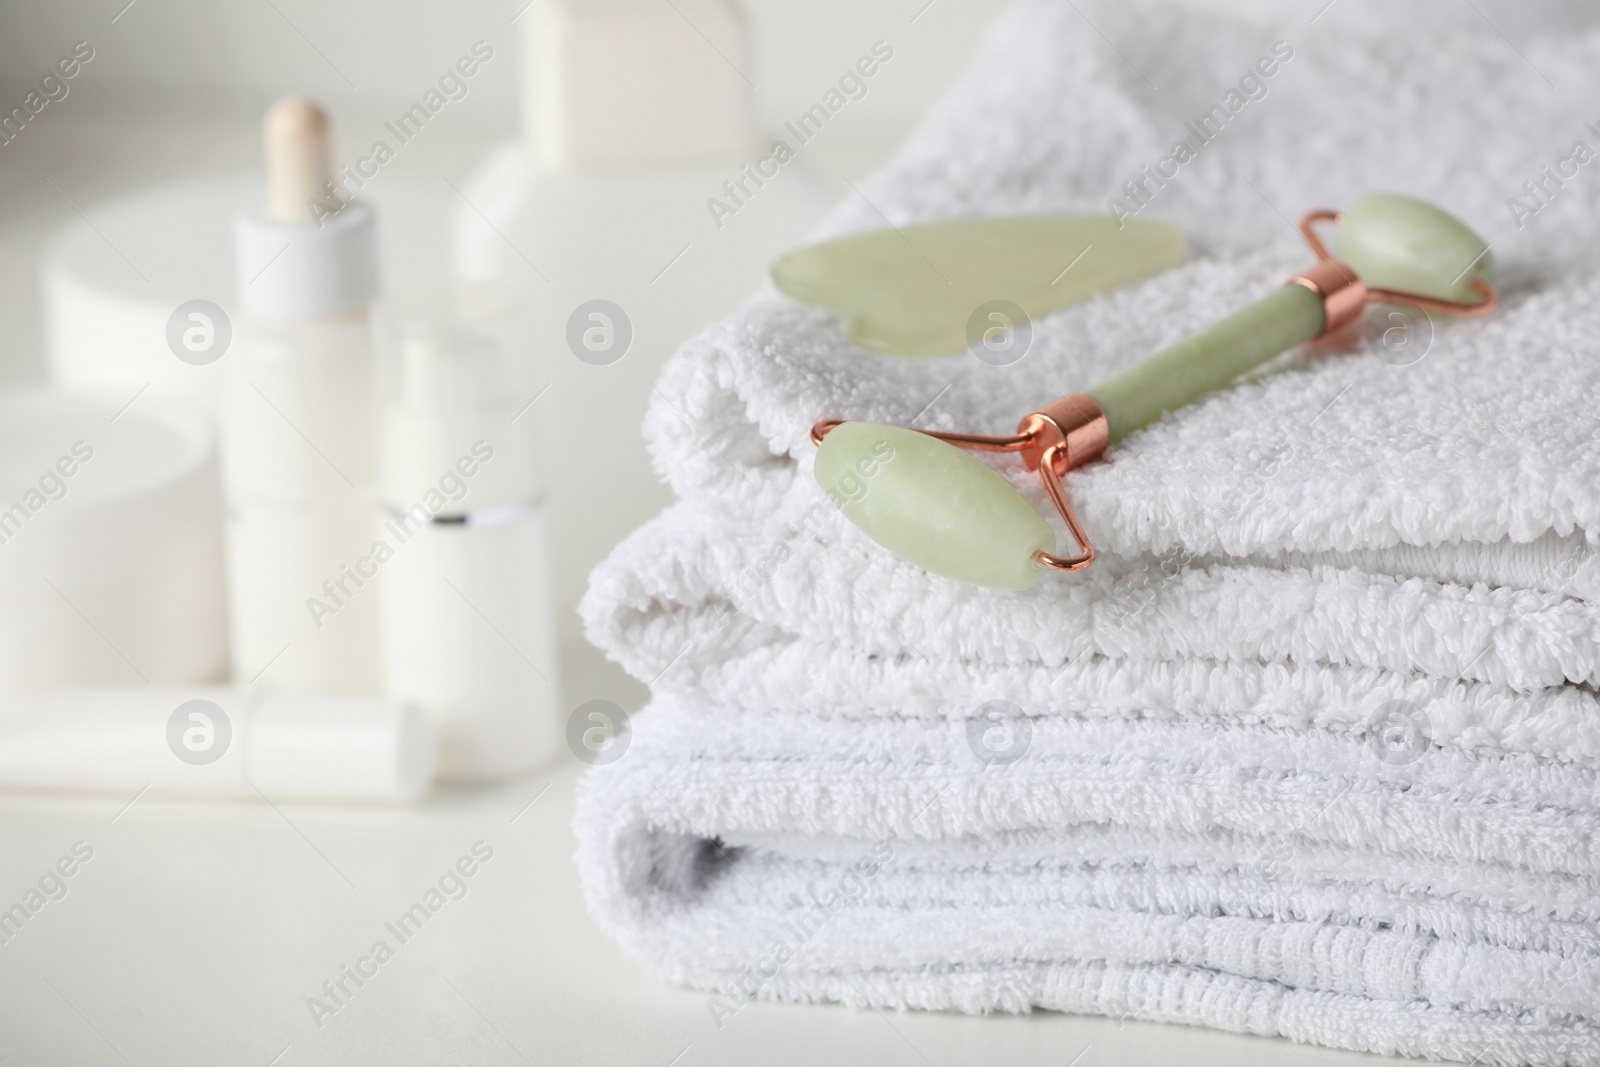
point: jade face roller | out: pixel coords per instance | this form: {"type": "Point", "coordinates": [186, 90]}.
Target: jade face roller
{"type": "Point", "coordinates": [919, 495]}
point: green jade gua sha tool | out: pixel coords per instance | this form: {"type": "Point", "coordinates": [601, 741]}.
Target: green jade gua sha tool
{"type": "Point", "coordinates": [908, 291]}
{"type": "Point", "coordinates": [920, 496]}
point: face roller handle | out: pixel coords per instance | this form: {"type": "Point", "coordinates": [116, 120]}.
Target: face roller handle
{"type": "Point", "coordinates": [1439, 261]}
{"type": "Point", "coordinates": [1315, 303]}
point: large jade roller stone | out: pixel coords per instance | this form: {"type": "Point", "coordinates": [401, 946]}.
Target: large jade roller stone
{"type": "Point", "coordinates": [909, 291]}
{"type": "Point", "coordinates": [1399, 242]}
{"type": "Point", "coordinates": [933, 505]}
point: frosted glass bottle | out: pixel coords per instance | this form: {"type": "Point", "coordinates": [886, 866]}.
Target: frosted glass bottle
{"type": "Point", "coordinates": [469, 630]}
{"type": "Point", "coordinates": [299, 429]}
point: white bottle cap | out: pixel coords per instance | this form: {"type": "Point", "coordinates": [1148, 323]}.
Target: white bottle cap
{"type": "Point", "coordinates": [309, 746]}
{"type": "Point", "coordinates": [313, 254]}
{"type": "Point", "coordinates": [617, 85]}
{"type": "Point", "coordinates": [307, 269]}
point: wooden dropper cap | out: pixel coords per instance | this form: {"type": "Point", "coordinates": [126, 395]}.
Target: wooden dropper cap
{"type": "Point", "coordinates": [299, 158]}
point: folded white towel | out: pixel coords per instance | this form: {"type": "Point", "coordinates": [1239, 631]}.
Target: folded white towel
{"type": "Point", "coordinates": [696, 598]}
{"type": "Point", "coordinates": [1204, 823]}
{"type": "Point", "coordinates": [1275, 882]}
{"type": "Point", "coordinates": [1491, 439]}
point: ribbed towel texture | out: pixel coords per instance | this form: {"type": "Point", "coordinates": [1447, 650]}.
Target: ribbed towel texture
{"type": "Point", "coordinates": [1311, 750]}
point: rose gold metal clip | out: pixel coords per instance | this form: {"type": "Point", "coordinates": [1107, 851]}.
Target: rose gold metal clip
{"type": "Point", "coordinates": [1344, 294]}
{"type": "Point", "coordinates": [1072, 430]}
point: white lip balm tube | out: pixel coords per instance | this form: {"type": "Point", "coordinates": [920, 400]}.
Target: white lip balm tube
{"type": "Point", "coordinates": [299, 427]}
{"type": "Point", "coordinates": [215, 742]}
{"type": "Point", "coordinates": [470, 632]}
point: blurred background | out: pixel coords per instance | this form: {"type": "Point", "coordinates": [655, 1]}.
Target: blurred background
{"type": "Point", "coordinates": [175, 94]}
{"type": "Point", "coordinates": [209, 929]}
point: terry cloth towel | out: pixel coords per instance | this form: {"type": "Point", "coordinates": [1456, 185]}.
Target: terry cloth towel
{"type": "Point", "coordinates": [1288, 882]}
{"type": "Point", "coordinates": [1312, 749]}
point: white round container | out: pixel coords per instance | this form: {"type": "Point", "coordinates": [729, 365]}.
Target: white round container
{"type": "Point", "coordinates": [109, 288]}
{"type": "Point", "coordinates": [111, 559]}
{"type": "Point", "coordinates": [111, 283]}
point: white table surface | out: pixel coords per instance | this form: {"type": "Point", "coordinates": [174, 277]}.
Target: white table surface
{"type": "Point", "coordinates": [197, 932]}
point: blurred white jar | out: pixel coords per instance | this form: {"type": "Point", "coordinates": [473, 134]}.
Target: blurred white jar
{"type": "Point", "coordinates": [111, 556]}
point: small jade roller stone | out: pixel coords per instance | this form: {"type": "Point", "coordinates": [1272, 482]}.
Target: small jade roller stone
{"type": "Point", "coordinates": [936, 506]}
{"type": "Point", "coordinates": [909, 291]}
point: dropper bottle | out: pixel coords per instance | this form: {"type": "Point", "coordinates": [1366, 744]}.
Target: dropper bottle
{"type": "Point", "coordinates": [299, 426]}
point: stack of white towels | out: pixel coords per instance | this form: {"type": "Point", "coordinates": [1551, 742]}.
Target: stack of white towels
{"type": "Point", "coordinates": [1312, 749]}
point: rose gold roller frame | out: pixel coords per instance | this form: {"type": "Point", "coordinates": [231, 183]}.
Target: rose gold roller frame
{"type": "Point", "coordinates": [1072, 430]}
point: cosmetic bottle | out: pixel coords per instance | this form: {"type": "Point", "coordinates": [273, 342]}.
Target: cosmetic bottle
{"type": "Point", "coordinates": [215, 742]}
{"type": "Point", "coordinates": [469, 628]}
{"type": "Point", "coordinates": [299, 428]}
{"type": "Point", "coordinates": [642, 203]}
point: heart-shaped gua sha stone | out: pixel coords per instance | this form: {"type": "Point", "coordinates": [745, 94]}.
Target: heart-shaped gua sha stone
{"type": "Point", "coordinates": [910, 290]}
